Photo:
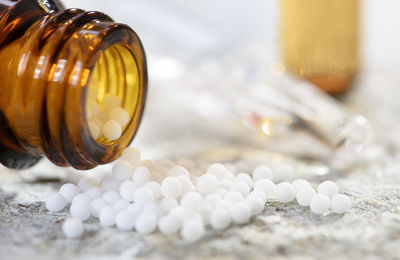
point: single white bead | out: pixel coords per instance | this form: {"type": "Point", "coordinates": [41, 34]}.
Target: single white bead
{"type": "Point", "coordinates": [110, 101]}
{"type": "Point", "coordinates": [328, 188]}
{"type": "Point", "coordinates": [234, 196]}
{"type": "Point", "coordinates": [111, 196]}
{"type": "Point", "coordinates": [168, 203]}
{"type": "Point", "coordinates": [128, 190]}
{"type": "Point", "coordinates": [99, 124]}
{"type": "Point", "coordinates": [212, 199]}
{"type": "Point", "coordinates": [221, 192]}
{"type": "Point", "coordinates": [110, 183]}
{"type": "Point", "coordinates": [299, 184]}
{"type": "Point", "coordinates": [205, 213]}
{"type": "Point", "coordinates": [304, 195]}
{"type": "Point", "coordinates": [121, 205]}
{"type": "Point", "coordinates": [86, 183]}
{"type": "Point", "coordinates": [240, 213]}
{"type": "Point", "coordinates": [226, 184]}
{"type": "Point", "coordinates": [192, 230]}
{"type": "Point", "coordinates": [285, 192]}
{"type": "Point", "coordinates": [155, 188]}
{"type": "Point", "coordinates": [80, 207]}
{"type": "Point", "coordinates": [266, 186]}
{"type": "Point", "coordinates": [146, 223]}
{"type": "Point", "coordinates": [180, 213]}
{"type": "Point", "coordinates": [255, 204]}
{"type": "Point", "coordinates": [153, 208]}
{"type": "Point", "coordinates": [320, 204]}
{"type": "Point", "coordinates": [73, 228]}
{"type": "Point", "coordinates": [94, 129]}
{"type": "Point", "coordinates": [218, 170]}
{"type": "Point", "coordinates": [262, 172]}
{"type": "Point", "coordinates": [169, 224]}
{"type": "Point", "coordinates": [136, 209]}
{"type": "Point", "coordinates": [125, 220]}
{"type": "Point", "coordinates": [102, 116]}
{"type": "Point", "coordinates": [241, 187]}
{"type": "Point", "coordinates": [340, 203]}
{"type": "Point", "coordinates": [177, 171]}
{"type": "Point", "coordinates": [120, 115]}
{"type": "Point", "coordinates": [112, 130]}
{"type": "Point", "coordinates": [207, 183]}
{"type": "Point", "coordinates": [220, 219]}
{"type": "Point", "coordinates": [284, 172]}
{"type": "Point", "coordinates": [132, 155]}
{"type": "Point", "coordinates": [171, 187]}
{"type": "Point", "coordinates": [259, 194]}
{"type": "Point", "coordinates": [144, 195]}
{"type": "Point", "coordinates": [96, 205]}
{"type": "Point", "coordinates": [244, 177]}
{"type": "Point", "coordinates": [55, 202]}
{"type": "Point", "coordinates": [107, 216]}
{"type": "Point", "coordinates": [191, 201]}
{"type": "Point", "coordinates": [94, 192]}
{"type": "Point", "coordinates": [122, 170]}
{"type": "Point", "coordinates": [68, 191]}
{"type": "Point", "coordinates": [141, 176]}
{"type": "Point", "coordinates": [186, 183]}
{"type": "Point", "coordinates": [94, 106]}
{"type": "Point", "coordinates": [224, 204]}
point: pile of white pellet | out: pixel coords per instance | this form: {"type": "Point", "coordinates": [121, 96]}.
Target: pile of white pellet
{"type": "Point", "coordinates": [146, 196]}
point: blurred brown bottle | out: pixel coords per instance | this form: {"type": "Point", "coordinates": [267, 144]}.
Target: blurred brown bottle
{"type": "Point", "coordinates": [320, 41]}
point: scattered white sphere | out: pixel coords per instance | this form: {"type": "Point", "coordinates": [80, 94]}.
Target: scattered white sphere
{"type": "Point", "coordinates": [179, 212]}
{"type": "Point", "coordinates": [218, 170]}
{"type": "Point", "coordinates": [125, 220]}
{"type": "Point", "coordinates": [122, 170]}
{"type": "Point", "coordinates": [192, 230]}
{"type": "Point", "coordinates": [328, 188]}
{"type": "Point", "coordinates": [212, 199]}
{"type": "Point", "coordinates": [340, 203]}
{"type": "Point", "coordinates": [255, 204]}
{"type": "Point", "coordinates": [110, 183]}
{"type": "Point", "coordinates": [304, 196]}
{"type": "Point", "coordinates": [96, 205]}
{"type": "Point", "coordinates": [240, 213]}
{"type": "Point", "coordinates": [234, 196]}
{"type": "Point", "coordinates": [146, 223]}
{"type": "Point", "coordinates": [155, 189]}
{"type": "Point", "coordinates": [168, 203]}
{"type": "Point", "coordinates": [262, 172]}
{"type": "Point", "coordinates": [141, 175]}
{"type": "Point", "coordinates": [225, 184]}
{"type": "Point", "coordinates": [127, 190]}
{"type": "Point", "coordinates": [178, 171]}
{"type": "Point", "coordinates": [136, 209]}
{"type": "Point", "coordinates": [169, 224]}
{"type": "Point", "coordinates": [299, 184]}
{"type": "Point", "coordinates": [120, 115]}
{"type": "Point", "coordinates": [94, 129]}
{"type": "Point", "coordinates": [73, 228]}
{"type": "Point", "coordinates": [221, 192]}
{"type": "Point", "coordinates": [266, 186]}
{"type": "Point", "coordinates": [80, 207]}
{"type": "Point", "coordinates": [220, 219]}
{"type": "Point", "coordinates": [259, 194]}
{"type": "Point", "coordinates": [132, 155]}
{"type": "Point", "coordinates": [285, 192]}
{"type": "Point", "coordinates": [224, 204]}
{"type": "Point", "coordinates": [205, 213]}
{"type": "Point", "coordinates": [94, 107]}
{"type": "Point", "coordinates": [320, 204]}
{"type": "Point", "coordinates": [207, 183]}
{"type": "Point", "coordinates": [171, 187]}
{"type": "Point", "coordinates": [153, 208]}
{"type": "Point", "coordinates": [111, 196]}
{"type": "Point", "coordinates": [94, 192]}
{"type": "Point", "coordinates": [244, 177]}
{"type": "Point", "coordinates": [191, 201]}
{"type": "Point", "coordinates": [107, 216]}
{"type": "Point", "coordinates": [241, 187]}
{"type": "Point", "coordinates": [68, 191]}
{"type": "Point", "coordinates": [144, 195]}
{"type": "Point", "coordinates": [186, 183]}
{"type": "Point", "coordinates": [55, 202]}
{"type": "Point", "coordinates": [121, 205]}
{"type": "Point", "coordinates": [112, 130]}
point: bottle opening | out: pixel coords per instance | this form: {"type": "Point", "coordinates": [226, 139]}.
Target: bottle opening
{"type": "Point", "coordinates": [113, 94]}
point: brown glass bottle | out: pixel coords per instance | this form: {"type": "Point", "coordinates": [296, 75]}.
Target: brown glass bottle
{"type": "Point", "coordinates": [49, 58]}
{"type": "Point", "coordinates": [320, 41]}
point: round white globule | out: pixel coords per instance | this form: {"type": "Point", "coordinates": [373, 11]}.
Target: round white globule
{"type": "Point", "coordinates": [192, 230]}
{"type": "Point", "coordinates": [125, 220]}
{"type": "Point", "coordinates": [212, 199]}
{"type": "Point", "coordinates": [241, 213]}
{"type": "Point", "coordinates": [171, 187]}
{"type": "Point", "coordinates": [73, 228]}
{"type": "Point", "coordinates": [266, 186]}
{"type": "Point", "coordinates": [304, 196]}
{"type": "Point", "coordinates": [319, 204]}
{"type": "Point", "coordinates": [285, 192]}
{"type": "Point", "coordinates": [120, 115]}
{"type": "Point", "coordinates": [220, 219]}
{"type": "Point", "coordinates": [153, 208]}
{"type": "Point", "coordinates": [234, 196]}
{"type": "Point", "coordinates": [169, 224]}
{"type": "Point", "coordinates": [110, 183]}
{"type": "Point", "coordinates": [255, 204]}
{"type": "Point", "coordinates": [86, 183]}
{"type": "Point", "coordinates": [218, 170]}
{"type": "Point", "coordinates": [136, 209]}
{"type": "Point", "coordinates": [259, 194]}
{"type": "Point", "coordinates": [244, 177]}
{"type": "Point", "coordinates": [127, 190]}
{"type": "Point", "coordinates": [110, 101]}
{"type": "Point", "coordinates": [298, 184]}
{"type": "Point", "coordinates": [224, 204]}
{"type": "Point", "coordinates": [262, 172]}
{"type": "Point", "coordinates": [132, 155]}
{"type": "Point", "coordinates": [121, 205]}
{"type": "Point", "coordinates": [207, 183]}
{"type": "Point", "coordinates": [146, 223]}
{"type": "Point", "coordinates": [94, 107]}
{"type": "Point", "coordinates": [225, 184]}
{"type": "Point", "coordinates": [241, 187]}
{"type": "Point", "coordinates": [107, 216]}
{"type": "Point", "coordinates": [155, 188]}
{"type": "Point", "coordinates": [122, 170]}
{"type": "Point", "coordinates": [68, 191]}
{"type": "Point", "coordinates": [94, 129]}
{"type": "Point", "coordinates": [141, 176]}
{"type": "Point", "coordinates": [80, 207]}
{"type": "Point", "coordinates": [55, 202]}
{"type": "Point", "coordinates": [178, 171]}
{"type": "Point", "coordinates": [144, 195]}
{"type": "Point", "coordinates": [328, 188]}
{"type": "Point", "coordinates": [112, 130]}
{"type": "Point", "coordinates": [191, 201]}
{"type": "Point", "coordinates": [168, 203]}
{"type": "Point", "coordinates": [96, 205]}
{"type": "Point", "coordinates": [340, 203]}
{"type": "Point", "coordinates": [94, 192]}
{"type": "Point", "coordinates": [186, 183]}
{"type": "Point", "coordinates": [111, 196]}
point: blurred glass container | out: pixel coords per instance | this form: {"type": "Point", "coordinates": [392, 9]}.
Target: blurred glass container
{"type": "Point", "coordinates": [320, 41]}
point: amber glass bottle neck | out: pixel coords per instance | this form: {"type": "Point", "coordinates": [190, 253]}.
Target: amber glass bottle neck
{"type": "Point", "coordinates": [46, 78]}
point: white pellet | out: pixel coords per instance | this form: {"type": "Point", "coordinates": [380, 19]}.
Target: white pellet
{"type": "Point", "coordinates": [241, 187]}
{"type": "Point", "coordinates": [95, 109]}
{"type": "Point", "coordinates": [146, 223]}
{"type": "Point", "coordinates": [73, 228]}
{"type": "Point", "coordinates": [304, 196]}
{"type": "Point", "coordinates": [259, 194]}
{"type": "Point", "coordinates": [94, 192]}
{"type": "Point", "coordinates": [179, 212]}
{"type": "Point", "coordinates": [120, 115]}
{"type": "Point", "coordinates": [177, 171]}
{"type": "Point", "coordinates": [153, 208]}
{"type": "Point", "coordinates": [155, 188]}
{"type": "Point", "coordinates": [168, 203]}
{"type": "Point", "coordinates": [80, 207]}
{"type": "Point", "coordinates": [141, 176]}
{"type": "Point", "coordinates": [186, 183]}
{"type": "Point", "coordinates": [107, 216]}
{"type": "Point", "coordinates": [340, 203]}
{"type": "Point", "coordinates": [285, 192]}
{"type": "Point", "coordinates": [169, 224]}
{"type": "Point", "coordinates": [144, 195]}
{"type": "Point", "coordinates": [218, 170]}
{"type": "Point", "coordinates": [192, 230]}
{"type": "Point", "coordinates": [110, 183]}
{"type": "Point", "coordinates": [241, 213]}
{"type": "Point", "coordinates": [244, 177]}
{"type": "Point", "coordinates": [220, 219]}
{"type": "Point", "coordinates": [191, 201]}
{"type": "Point", "coordinates": [225, 183]}
{"type": "Point", "coordinates": [127, 190]}
{"type": "Point", "coordinates": [262, 172]}
{"type": "Point", "coordinates": [221, 192]}
{"type": "Point", "coordinates": [110, 101]}
{"type": "Point", "coordinates": [96, 205]}
{"type": "Point", "coordinates": [94, 129]}
{"type": "Point", "coordinates": [328, 188]}
{"type": "Point", "coordinates": [111, 196]}
{"type": "Point", "coordinates": [125, 220]}
{"type": "Point", "coordinates": [319, 204]}
{"type": "Point", "coordinates": [224, 204]}
{"type": "Point", "coordinates": [207, 183]}
{"type": "Point", "coordinates": [266, 186]}
{"type": "Point", "coordinates": [212, 199]}
{"type": "Point", "coordinates": [122, 170]}
{"type": "Point", "coordinates": [112, 130]}
{"type": "Point", "coordinates": [68, 191]}
{"type": "Point", "coordinates": [205, 213]}
{"type": "Point", "coordinates": [171, 187]}
{"type": "Point", "coordinates": [255, 204]}
{"type": "Point", "coordinates": [136, 209]}
{"type": "Point", "coordinates": [55, 202]}
{"type": "Point", "coordinates": [132, 155]}
{"type": "Point", "coordinates": [299, 184]}
{"type": "Point", "coordinates": [234, 196]}
{"type": "Point", "coordinates": [121, 205]}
